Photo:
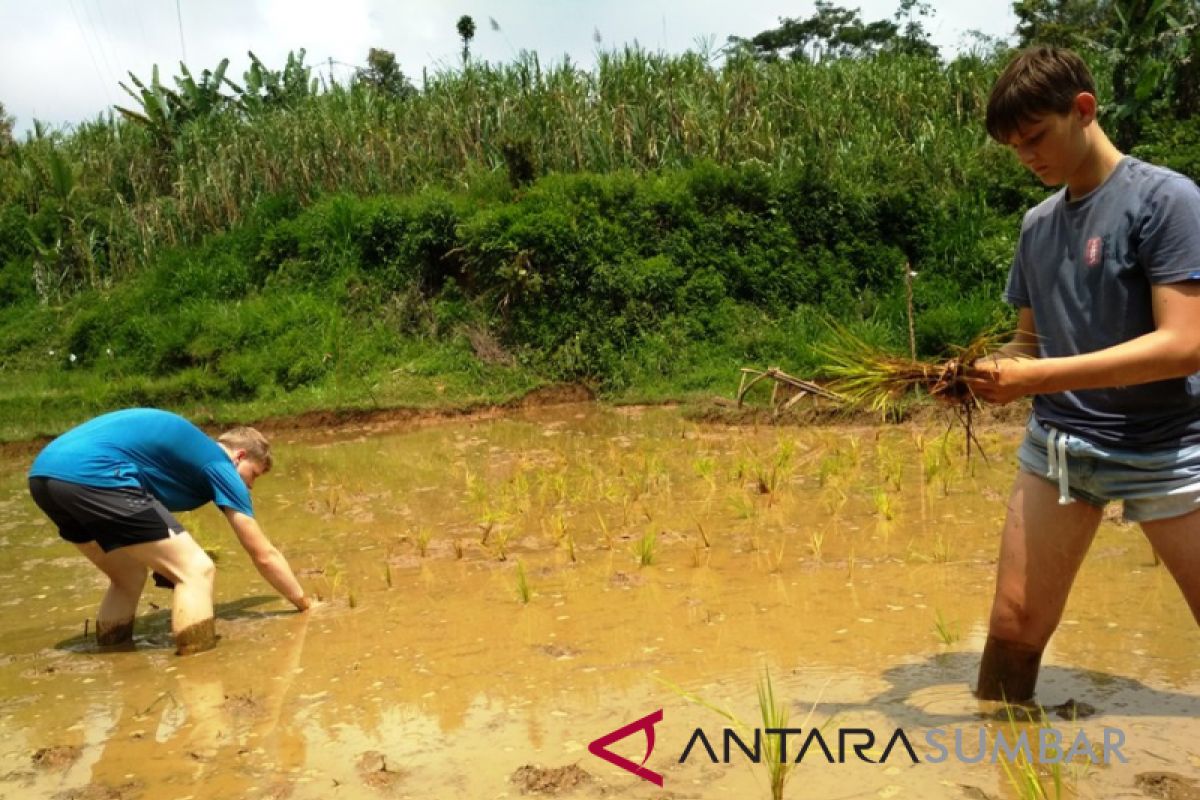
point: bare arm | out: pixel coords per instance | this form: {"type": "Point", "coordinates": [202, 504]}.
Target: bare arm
{"type": "Point", "coordinates": [1171, 350]}
{"type": "Point", "coordinates": [269, 562]}
{"type": "Point", "coordinates": [1024, 342]}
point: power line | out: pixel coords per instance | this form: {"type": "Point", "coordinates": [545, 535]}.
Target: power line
{"type": "Point", "coordinates": [87, 16]}
{"type": "Point", "coordinates": [179, 19]}
{"type": "Point", "coordinates": [91, 56]}
{"type": "Point", "coordinates": [109, 39]}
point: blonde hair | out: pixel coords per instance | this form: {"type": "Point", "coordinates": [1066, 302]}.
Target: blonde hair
{"type": "Point", "coordinates": [254, 443]}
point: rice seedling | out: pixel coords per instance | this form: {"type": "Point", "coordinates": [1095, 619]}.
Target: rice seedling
{"type": "Point", "coordinates": [835, 500]}
{"type": "Point", "coordinates": [891, 467]}
{"type": "Point", "coordinates": [570, 543]}
{"type": "Point", "coordinates": [883, 505]}
{"type": "Point", "coordinates": [941, 548]}
{"type": "Point", "coordinates": [742, 506]}
{"type": "Point", "coordinates": [605, 534]}
{"type": "Point", "coordinates": [500, 545]}
{"type": "Point", "coordinates": [706, 468]}
{"type": "Point", "coordinates": [774, 717]}
{"type": "Point", "coordinates": [816, 543]}
{"type": "Point", "coordinates": [703, 534]}
{"type": "Point", "coordinates": [1023, 774]}
{"type": "Point", "coordinates": [869, 377]}
{"type": "Point", "coordinates": [329, 590]}
{"type": "Point", "coordinates": [833, 467]}
{"type": "Point", "coordinates": [936, 466]}
{"type": "Point", "coordinates": [554, 488]}
{"type": "Point", "coordinates": [422, 540]}
{"type": "Point", "coordinates": [524, 592]}
{"type": "Point", "coordinates": [646, 548]}
{"type": "Point", "coordinates": [769, 477]}
{"type": "Point", "coordinates": [775, 557]}
{"type": "Point", "coordinates": [489, 520]}
{"type": "Point", "coordinates": [946, 632]}
{"type": "Point", "coordinates": [476, 489]}
{"type": "Point", "coordinates": [558, 527]}
{"type": "Point", "coordinates": [855, 452]}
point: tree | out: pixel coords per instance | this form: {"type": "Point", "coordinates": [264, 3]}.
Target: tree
{"type": "Point", "coordinates": [1063, 23]}
{"type": "Point", "coordinates": [265, 88]}
{"type": "Point", "coordinates": [913, 39]}
{"type": "Point", "coordinates": [164, 111]}
{"type": "Point", "coordinates": [836, 32]}
{"type": "Point", "coordinates": [6, 131]}
{"type": "Point", "coordinates": [466, 32]}
{"type": "Point", "coordinates": [383, 74]}
{"type": "Point", "coordinates": [1155, 73]}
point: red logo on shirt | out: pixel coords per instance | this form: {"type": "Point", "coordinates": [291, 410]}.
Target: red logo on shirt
{"type": "Point", "coordinates": [1095, 248]}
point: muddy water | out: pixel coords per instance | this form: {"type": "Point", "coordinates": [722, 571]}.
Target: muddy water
{"type": "Point", "coordinates": [855, 564]}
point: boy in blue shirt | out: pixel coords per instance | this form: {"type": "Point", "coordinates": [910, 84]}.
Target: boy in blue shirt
{"type": "Point", "coordinates": [110, 486]}
{"type": "Point", "coordinates": [1106, 280]}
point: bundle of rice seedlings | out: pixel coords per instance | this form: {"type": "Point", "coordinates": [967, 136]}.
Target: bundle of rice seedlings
{"type": "Point", "coordinates": [869, 377]}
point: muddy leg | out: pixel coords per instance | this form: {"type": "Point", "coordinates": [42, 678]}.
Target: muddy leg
{"type": "Point", "coordinates": [180, 560]}
{"type": "Point", "coordinates": [1041, 548]}
{"type": "Point", "coordinates": [196, 638]}
{"type": "Point", "coordinates": [127, 578]}
{"type": "Point", "coordinates": [1008, 671]}
{"type": "Point", "coordinates": [114, 633]}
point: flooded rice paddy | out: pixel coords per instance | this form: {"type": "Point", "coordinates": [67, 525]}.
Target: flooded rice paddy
{"type": "Point", "coordinates": [501, 591]}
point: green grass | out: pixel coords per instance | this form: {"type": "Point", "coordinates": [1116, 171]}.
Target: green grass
{"type": "Point", "coordinates": [34, 404]}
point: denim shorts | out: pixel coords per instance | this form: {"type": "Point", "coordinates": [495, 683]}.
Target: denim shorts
{"type": "Point", "coordinates": [1154, 484]}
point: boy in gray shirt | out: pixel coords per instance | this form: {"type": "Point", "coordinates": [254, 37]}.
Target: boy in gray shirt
{"type": "Point", "coordinates": [1106, 279]}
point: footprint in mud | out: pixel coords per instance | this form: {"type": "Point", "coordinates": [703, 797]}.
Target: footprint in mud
{"type": "Point", "coordinates": [625, 580]}
{"type": "Point", "coordinates": [374, 771]}
{"type": "Point", "coordinates": [57, 757]}
{"type": "Point", "coordinates": [71, 664]}
{"type": "Point", "coordinates": [278, 791]}
{"type": "Point", "coordinates": [1167, 786]}
{"type": "Point", "coordinates": [558, 651]}
{"type": "Point", "coordinates": [242, 705]}
{"type": "Point", "coordinates": [530, 779]}
{"type": "Point", "coordinates": [102, 791]}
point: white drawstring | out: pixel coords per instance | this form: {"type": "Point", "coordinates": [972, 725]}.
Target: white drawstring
{"type": "Point", "coordinates": [1056, 455]}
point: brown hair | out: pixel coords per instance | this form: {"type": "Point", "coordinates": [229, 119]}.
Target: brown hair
{"type": "Point", "coordinates": [1038, 80]}
{"type": "Point", "coordinates": [254, 443]}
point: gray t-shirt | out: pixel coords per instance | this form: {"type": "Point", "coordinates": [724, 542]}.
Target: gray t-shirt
{"type": "Point", "coordinates": [1086, 267]}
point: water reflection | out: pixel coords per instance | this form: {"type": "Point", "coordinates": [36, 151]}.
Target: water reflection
{"type": "Point", "coordinates": [832, 555]}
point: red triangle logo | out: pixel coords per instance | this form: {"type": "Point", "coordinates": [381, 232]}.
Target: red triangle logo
{"type": "Point", "coordinates": [646, 723]}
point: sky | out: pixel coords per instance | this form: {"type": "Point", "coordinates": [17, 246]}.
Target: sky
{"type": "Point", "coordinates": [61, 60]}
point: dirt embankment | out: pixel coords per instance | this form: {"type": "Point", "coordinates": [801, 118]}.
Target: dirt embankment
{"type": "Point", "coordinates": [718, 410]}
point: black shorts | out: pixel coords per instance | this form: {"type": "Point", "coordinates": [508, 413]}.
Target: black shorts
{"type": "Point", "coordinates": [110, 517]}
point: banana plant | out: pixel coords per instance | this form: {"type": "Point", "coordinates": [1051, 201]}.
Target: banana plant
{"type": "Point", "coordinates": [164, 110]}
{"type": "Point", "coordinates": [265, 88]}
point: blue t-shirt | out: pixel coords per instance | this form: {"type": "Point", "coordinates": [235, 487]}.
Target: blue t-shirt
{"type": "Point", "coordinates": [1086, 267]}
{"type": "Point", "coordinates": [159, 451]}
